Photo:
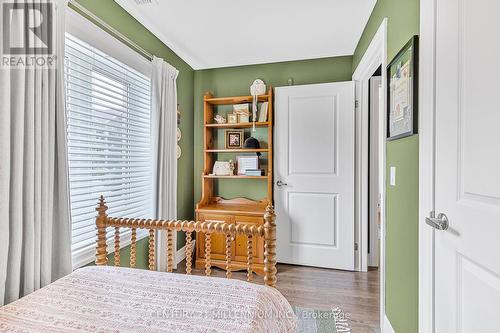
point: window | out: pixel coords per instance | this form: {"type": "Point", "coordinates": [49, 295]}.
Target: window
{"type": "Point", "coordinates": [108, 106]}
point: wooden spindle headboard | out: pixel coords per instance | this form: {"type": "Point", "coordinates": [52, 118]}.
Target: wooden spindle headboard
{"type": "Point", "coordinates": [268, 231]}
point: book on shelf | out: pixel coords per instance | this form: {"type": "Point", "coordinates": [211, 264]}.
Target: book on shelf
{"type": "Point", "coordinates": [255, 172]}
{"type": "Point", "coordinates": [263, 112]}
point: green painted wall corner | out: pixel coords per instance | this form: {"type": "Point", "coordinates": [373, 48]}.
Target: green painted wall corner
{"type": "Point", "coordinates": [401, 296]}
{"type": "Point", "coordinates": [114, 15]}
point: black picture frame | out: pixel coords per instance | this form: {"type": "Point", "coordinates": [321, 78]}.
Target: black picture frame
{"type": "Point", "coordinates": [407, 117]}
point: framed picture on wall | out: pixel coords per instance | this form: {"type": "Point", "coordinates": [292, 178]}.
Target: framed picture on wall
{"type": "Point", "coordinates": [402, 92]}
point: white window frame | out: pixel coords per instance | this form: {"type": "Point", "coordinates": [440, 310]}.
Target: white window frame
{"type": "Point", "coordinates": [86, 31]}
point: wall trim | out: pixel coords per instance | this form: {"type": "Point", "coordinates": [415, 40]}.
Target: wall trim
{"type": "Point", "coordinates": [386, 326]}
{"type": "Point", "coordinates": [375, 55]}
{"type": "Point", "coordinates": [427, 69]}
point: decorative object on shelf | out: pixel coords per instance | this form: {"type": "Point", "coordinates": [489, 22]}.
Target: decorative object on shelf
{"type": "Point", "coordinates": [179, 133]}
{"type": "Point", "coordinates": [242, 111]}
{"type": "Point", "coordinates": [255, 172]}
{"type": "Point", "coordinates": [234, 139]}
{"type": "Point", "coordinates": [179, 152]}
{"type": "Point", "coordinates": [223, 168]}
{"type": "Point", "coordinates": [220, 119]}
{"type": "Point", "coordinates": [257, 88]}
{"type": "Point", "coordinates": [290, 81]}
{"type": "Point", "coordinates": [245, 162]}
{"type": "Point", "coordinates": [263, 112]}
{"type": "Point", "coordinates": [243, 118]}
{"type": "Point", "coordinates": [232, 118]}
{"type": "Point", "coordinates": [252, 143]}
{"type": "Point", "coordinates": [402, 87]}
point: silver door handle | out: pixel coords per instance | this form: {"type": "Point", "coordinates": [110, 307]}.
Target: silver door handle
{"type": "Point", "coordinates": [279, 183]}
{"type": "Point", "coordinates": [440, 222]}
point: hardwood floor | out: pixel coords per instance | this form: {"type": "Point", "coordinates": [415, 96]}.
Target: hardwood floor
{"type": "Point", "coordinates": [356, 293]}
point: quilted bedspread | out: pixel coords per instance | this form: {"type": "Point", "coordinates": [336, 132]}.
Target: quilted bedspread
{"type": "Point", "coordinates": [113, 299]}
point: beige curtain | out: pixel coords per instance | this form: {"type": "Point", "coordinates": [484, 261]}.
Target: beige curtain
{"type": "Point", "coordinates": [164, 133]}
{"type": "Point", "coordinates": [35, 230]}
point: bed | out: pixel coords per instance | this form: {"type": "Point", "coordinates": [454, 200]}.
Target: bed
{"type": "Point", "coordinates": [118, 299]}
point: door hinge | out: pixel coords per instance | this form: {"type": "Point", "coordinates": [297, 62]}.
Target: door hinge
{"type": "Point", "coordinates": [356, 104]}
{"type": "Point", "coordinates": [355, 246]}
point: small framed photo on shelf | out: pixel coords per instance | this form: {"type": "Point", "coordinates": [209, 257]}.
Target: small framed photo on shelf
{"type": "Point", "coordinates": [247, 162]}
{"type": "Point", "coordinates": [232, 118]}
{"type": "Point", "coordinates": [234, 139]}
{"type": "Point", "coordinates": [402, 92]}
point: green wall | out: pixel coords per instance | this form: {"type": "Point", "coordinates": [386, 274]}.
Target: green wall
{"type": "Point", "coordinates": [402, 199]}
{"type": "Point", "coordinates": [233, 81]}
{"type": "Point", "coordinates": [142, 252]}
{"type": "Point", "coordinates": [119, 19]}
{"type": "Point", "coordinates": [402, 236]}
{"type": "Point", "coordinates": [403, 22]}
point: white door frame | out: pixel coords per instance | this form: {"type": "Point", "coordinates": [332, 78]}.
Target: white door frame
{"type": "Point", "coordinates": [426, 112]}
{"type": "Point", "coordinates": [373, 189]}
{"type": "Point", "coordinates": [375, 56]}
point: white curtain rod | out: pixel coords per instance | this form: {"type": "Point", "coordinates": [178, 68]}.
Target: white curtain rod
{"type": "Point", "coordinates": [82, 10]}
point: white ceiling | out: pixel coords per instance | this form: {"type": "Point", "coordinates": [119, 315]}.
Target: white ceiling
{"type": "Point", "coordinates": [223, 33]}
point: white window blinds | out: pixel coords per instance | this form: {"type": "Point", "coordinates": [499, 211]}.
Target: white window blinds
{"type": "Point", "coordinates": [108, 105]}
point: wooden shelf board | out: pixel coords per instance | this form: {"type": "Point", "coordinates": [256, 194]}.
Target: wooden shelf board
{"type": "Point", "coordinates": [244, 210]}
{"type": "Point", "coordinates": [233, 206]}
{"type": "Point", "coordinates": [235, 100]}
{"type": "Point", "coordinates": [236, 150]}
{"type": "Point", "coordinates": [239, 125]}
{"type": "Point", "coordinates": [236, 177]}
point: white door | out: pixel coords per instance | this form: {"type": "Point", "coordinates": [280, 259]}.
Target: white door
{"type": "Point", "coordinates": [314, 175]}
{"type": "Point", "coordinates": [467, 179]}
{"type": "Point", "coordinates": [374, 190]}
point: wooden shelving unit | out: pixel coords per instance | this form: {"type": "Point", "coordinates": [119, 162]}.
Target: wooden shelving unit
{"type": "Point", "coordinates": [237, 210]}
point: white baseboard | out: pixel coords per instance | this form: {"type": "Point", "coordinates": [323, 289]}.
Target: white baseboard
{"type": "Point", "coordinates": [386, 326]}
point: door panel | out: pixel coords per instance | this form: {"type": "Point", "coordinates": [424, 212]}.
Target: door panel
{"type": "Point", "coordinates": [313, 127]}
{"type": "Point", "coordinates": [467, 292]}
{"type": "Point", "coordinates": [217, 240]}
{"type": "Point", "coordinates": [312, 212]}
{"type": "Point", "coordinates": [241, 240]}
{"type": "Point", "coordinates": [314, 160]}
